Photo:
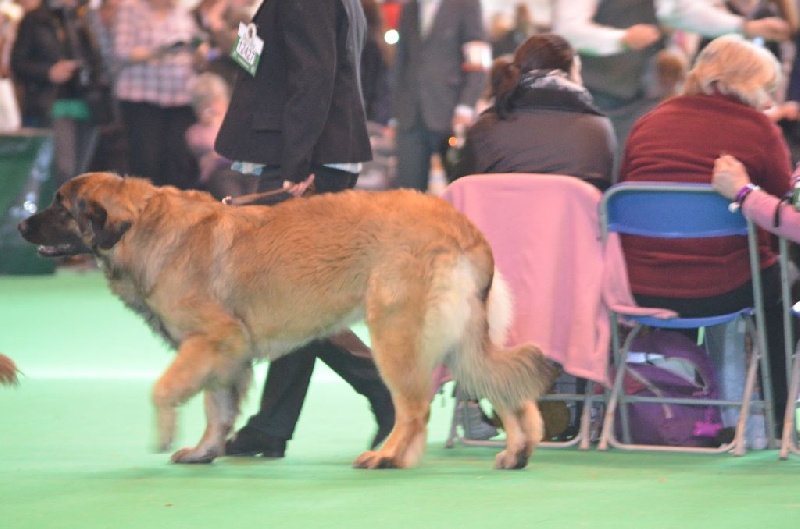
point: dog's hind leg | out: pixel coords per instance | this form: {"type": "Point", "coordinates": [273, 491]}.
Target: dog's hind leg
{"type": "Point", "coordinates": [409, 380]}
{"type": "Point", "coordinates": [524, 430]}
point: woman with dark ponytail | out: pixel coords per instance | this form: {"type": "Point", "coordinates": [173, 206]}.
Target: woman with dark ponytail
{"type": "Point", "coordinates": [542, 121]}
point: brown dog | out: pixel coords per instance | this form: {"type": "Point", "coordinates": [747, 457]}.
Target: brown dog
{"type": "Point", "coordinates": [227, 284]}
{"type": "Point", "coordinates": [8, 371]}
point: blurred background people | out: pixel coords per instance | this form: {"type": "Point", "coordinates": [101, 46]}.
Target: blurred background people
{"type": "Point", "coordinates": [10, 15]}
{"type": "Point", "coordinates": [376, 83]}
{"type": "Point", "coordinates": [210, 97]}
{"type": "Point", "coordinates": [619, 39]}
{"type": "Point", "coordinates": [219, 20]}
{"type": "Point", "coordinates": [522, 27]}
{"type": "Point", "coordinates": [375, 63]}
{"type": "Point", "coordinates": [111, 152]}
{"type": "Point", "coordinates": [434, 93]}
{"type": "Point", "coordinates": [64, 84]}
{"type": "Point", "coordinates": [155, 42]}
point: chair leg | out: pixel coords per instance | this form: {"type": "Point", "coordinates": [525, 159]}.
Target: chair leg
{"type": "Point", "coordinates": [766, 388]}
{"type": "Point", "coordinates": [453, 435]}
{"type": "Point", "coordinates": [617, 398]}
{"type": "Point", "coordinates": [738, 447]}
{"type": "Point", "coordinates": [584, 432]}
{"type": "Point", "coordinates": [788, 439]}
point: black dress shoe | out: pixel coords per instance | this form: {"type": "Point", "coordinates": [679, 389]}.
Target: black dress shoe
{"type": "Point", "coordinates": [249, 443]}
{"type": "Point", "coordinates": [381, 435]}
{"type": "Point", "coordinates": [383, 410]}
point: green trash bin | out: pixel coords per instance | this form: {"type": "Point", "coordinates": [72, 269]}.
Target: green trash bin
{"type": "Point", "coordinates": [26, 186]}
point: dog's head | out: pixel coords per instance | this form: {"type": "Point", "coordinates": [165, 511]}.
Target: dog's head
{"type": "Point", "coordinates": [89, 215]}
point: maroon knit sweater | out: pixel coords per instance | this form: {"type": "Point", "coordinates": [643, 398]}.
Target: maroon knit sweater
{"type": "Point", "coordinates": [678, 142]}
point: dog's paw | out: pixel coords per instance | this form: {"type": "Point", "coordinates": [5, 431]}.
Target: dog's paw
{"type": "Point", "coordinates": [194, 455]}
{"type": "Point", "coordinates": [375, 460]}
{"type": "Point", "coordinates": [511, 460]}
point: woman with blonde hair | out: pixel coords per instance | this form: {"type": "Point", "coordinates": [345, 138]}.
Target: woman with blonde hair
{"type": "Point", "coordinates": [720, 112]}
{"type": "Point", "coordinates": [732, 66]}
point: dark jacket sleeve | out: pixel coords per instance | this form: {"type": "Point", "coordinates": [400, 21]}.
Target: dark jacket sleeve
{"type": "Point", "coordinates": [309, 33]}
{"type": "Point", "coordinates": [32, 54]}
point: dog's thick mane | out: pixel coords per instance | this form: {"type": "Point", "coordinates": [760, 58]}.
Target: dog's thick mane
{"type": "Point", "coordinates": [145, 207]}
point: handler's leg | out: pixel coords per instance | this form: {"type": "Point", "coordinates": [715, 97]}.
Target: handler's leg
{"type": "Point", "coordinates": [362, 375]}
{"type": "Point", "coordinates": [285, 388]}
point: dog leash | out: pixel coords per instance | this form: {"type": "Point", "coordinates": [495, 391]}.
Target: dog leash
{"type": "Point", "coordinates": [256, 198]}
{"type": "Point", "coordinates": [251, 198]}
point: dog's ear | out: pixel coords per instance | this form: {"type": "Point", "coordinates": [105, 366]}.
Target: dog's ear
{"type": "Point", "coordinates": [106, 233]}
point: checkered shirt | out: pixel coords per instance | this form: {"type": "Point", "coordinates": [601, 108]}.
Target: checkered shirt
{"type": "Point", "coordinates": [165, 81]}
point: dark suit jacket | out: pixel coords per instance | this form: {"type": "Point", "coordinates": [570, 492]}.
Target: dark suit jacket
{"type": "Point", "coordinates": [304, 105]}
{"type": "Point", "coordinates": [429, 73]}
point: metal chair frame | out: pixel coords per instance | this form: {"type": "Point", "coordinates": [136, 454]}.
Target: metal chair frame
{"type": "Point", "coordinates": [789, 442]}
{"type": "Point", "coordinates": [675, 210]}
{"type": "Point", "coordinates": [582, 440]}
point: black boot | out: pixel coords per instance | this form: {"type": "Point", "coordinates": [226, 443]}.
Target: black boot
{"type": "Point", "coordinates": [249, 442]}
{"type": "Point", "coordinates": [383, 409]}
{"type": "Point", "coordinates": [362, 374]}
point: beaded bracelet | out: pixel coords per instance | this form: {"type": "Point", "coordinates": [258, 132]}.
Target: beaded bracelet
{"type": "Point", "coordinates": [741, 196]}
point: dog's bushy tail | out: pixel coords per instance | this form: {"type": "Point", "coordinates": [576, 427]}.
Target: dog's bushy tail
{"type": "Point", "coordinates": [8, 371]}
{"type": "Point", "coordinates": [485, 368]}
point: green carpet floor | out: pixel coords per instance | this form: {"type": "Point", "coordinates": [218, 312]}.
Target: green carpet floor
{"type": "Point", "coordinates": [76, 438]}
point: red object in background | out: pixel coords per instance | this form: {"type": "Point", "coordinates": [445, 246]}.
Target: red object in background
{"type": "Point", "coordinates": [391, 13]}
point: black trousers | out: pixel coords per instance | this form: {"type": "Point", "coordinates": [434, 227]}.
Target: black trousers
{"type": "Point", "coordinates": [157, 144]}
{"type": "Point", "coordinates": [732, 301]}
{"type": "Point", "coordinates": [288, 377]}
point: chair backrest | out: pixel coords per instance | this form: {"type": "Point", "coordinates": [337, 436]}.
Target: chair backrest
{"type": "Point", "coordinates": [546, 240]}
{"type": "Point", "coordinates": [669, 210]}
{"type": "Point", "coordinates": [678, 210]}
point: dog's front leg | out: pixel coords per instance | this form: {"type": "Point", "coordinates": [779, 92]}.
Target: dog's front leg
{"type": "Point", "coordinates": [197, 365]}
{"type": "Point", "coordinates": [221, 410]}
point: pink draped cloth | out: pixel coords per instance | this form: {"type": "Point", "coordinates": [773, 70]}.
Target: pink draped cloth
{"type": "Point", "coordinates": [546, 237]}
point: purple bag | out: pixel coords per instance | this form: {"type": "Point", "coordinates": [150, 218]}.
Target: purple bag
{"type": "Point", "coordinates": [671, 424]}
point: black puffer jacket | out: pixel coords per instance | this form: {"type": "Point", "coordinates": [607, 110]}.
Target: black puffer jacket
{"type": "Point", "coordinates": [553, 129]}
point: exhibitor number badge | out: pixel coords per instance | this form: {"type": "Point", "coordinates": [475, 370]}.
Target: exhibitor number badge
{"type": "Point", "coordinates": [248, 47]}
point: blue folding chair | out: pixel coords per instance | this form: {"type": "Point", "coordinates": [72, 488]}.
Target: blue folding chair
{"type": "Point", "coordinates": [667, 210]}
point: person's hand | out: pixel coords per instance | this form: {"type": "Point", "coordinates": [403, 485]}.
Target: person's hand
{"type": "Point", "coordinates": [141, 54]}
{"type": "Point", "coordinates": [214, 16]}
{"type": "Point", "coordinates": [208, 162]}
{"type": "Point", "coordinates": [298, 188]}
{"type": "Point", "coordinates": [790, 110]}
{"type": "Point", "coordinates": [770, 28]}
{"type": "Point", "coordinates": [62, 71]}
{"type": "Point", "coordinates": [200, 57]}
{"type": "Point", "coordinates": [462, 121]}
{"type": "Point", "coordinates": [640, 36]}
{"type": "Point", "coordinates": [787, 110]}
{"type": "Point", "coordinates": [729, 176]}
